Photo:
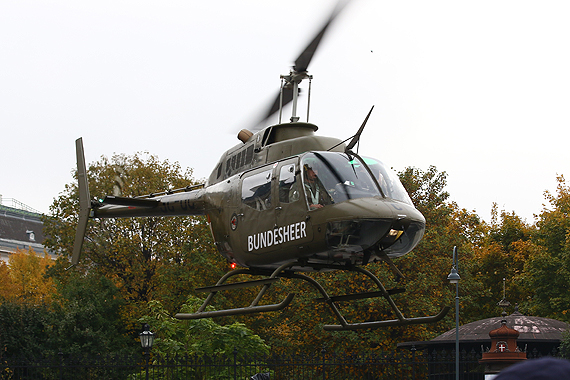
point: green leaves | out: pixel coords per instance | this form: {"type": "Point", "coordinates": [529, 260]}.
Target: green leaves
{"type": "Point", "coordinates": [202, 336]}
{"type": "Point", "coordinates": [547, 272]}
{"type": "Point", "coordinates": [24, 329]}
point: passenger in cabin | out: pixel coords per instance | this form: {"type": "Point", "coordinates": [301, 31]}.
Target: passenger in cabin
{"type": "Point", "coordinates": [317, 195]}
{"type": "Point", "coordinates": [382, 182]}
{"type": "Point", "coordinates": [288, 191]}
{"type": "Point", "coordinates": [292, 193]}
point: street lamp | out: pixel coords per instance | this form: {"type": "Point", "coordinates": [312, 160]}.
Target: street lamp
{"type": "Point", "coordinates": [454, 278]}
{"type": "Point", "coordinates": [147, 339]}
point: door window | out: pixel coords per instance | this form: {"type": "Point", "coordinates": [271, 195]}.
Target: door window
{"type": "Point", "coordinates": [288, 189]}
{"type": "Point", "coordinates": [256, 191]}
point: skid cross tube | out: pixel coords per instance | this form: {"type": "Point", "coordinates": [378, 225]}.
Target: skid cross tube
{"type": "Point", "coordinates": [400, 321]}
{"type": "Point", "coordinates": [253, 308]}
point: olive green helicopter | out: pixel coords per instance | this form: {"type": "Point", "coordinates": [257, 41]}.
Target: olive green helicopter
{"type": "Point", "coordinates": [284, 202]}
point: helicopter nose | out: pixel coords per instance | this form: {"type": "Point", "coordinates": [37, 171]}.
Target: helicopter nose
{"type": "Point", "coordinates": [356, 234]}
{"type": "Point", "coordinates": [394, 232]}
{"type": "Point", "coordinates": [406, 230]}
{"type": "Point", "coordinates": [402, 237]}
{"type": "Point", "coordinates": [395, 238]}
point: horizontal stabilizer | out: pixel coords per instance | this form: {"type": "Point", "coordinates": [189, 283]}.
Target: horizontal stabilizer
{"type": "Point", "coordinates": [130, 202]}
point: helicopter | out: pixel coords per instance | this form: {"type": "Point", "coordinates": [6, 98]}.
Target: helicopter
{"type": "Point", "coordinates": [286, 201]}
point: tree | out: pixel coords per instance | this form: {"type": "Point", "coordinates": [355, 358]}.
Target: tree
{"type": "Point", "coordinates": [199, 336]}
{"type": "Point", "coordinates": [24, 329]}
{"type": "Point", "coordinates": [502, 254]}
{"type": "Point", "coordinates": [428, 265]}
{"type": "Point", "coordinates": [27, 282]}
{"type": "Point", "coordinates": [24, 311]}
{"type": "Point", "coordinates": [203, 337]}
{"type": "Point", "coordinates": [7, 287]}
{"type": "Point", "coordinates": [142, 256]}
{"type": "Point", "coordinates": [547, 272]}
{"type": "Point", "coordinates": [86, 314]}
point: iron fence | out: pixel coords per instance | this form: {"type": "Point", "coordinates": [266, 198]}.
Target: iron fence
{"type": "Point", "coordinates": [321, 365]}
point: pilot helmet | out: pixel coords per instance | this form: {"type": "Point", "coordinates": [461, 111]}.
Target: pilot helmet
{"type": "Point", "coordinates": [310, 162]}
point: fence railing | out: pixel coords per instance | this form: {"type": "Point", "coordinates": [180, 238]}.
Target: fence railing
{"type": "Point", "coordinates": [437, 365]}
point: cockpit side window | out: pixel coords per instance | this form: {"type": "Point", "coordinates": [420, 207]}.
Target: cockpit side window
{"type": "Point", "coordinates": [256, 191]}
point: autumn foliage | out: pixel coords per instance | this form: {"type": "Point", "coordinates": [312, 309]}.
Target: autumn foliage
{"type": "Point", "coordinates": [23, 279]}
{"type": "Point", "coordinates": [149, 267]}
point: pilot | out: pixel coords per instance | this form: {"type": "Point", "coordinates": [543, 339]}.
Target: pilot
{"type": "Point", "coordinates": [317, 195]}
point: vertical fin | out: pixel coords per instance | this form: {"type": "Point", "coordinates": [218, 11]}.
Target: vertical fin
{"type": "Point", "coordinates": [84, 201]}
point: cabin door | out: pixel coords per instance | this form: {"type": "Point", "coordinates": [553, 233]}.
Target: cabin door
{"type": "Point", "coordinates": [291, 222]}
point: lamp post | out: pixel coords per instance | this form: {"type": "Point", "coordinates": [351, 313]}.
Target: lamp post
{"type": "Point", "coordinates": [147, 339]}
{"type": "Point", "coordinates": [454, 278]}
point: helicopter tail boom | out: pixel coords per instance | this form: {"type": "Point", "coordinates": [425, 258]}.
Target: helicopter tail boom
{"type": "Point", "coordinates": [191, 202]}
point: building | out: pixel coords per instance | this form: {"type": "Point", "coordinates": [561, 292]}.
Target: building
{"type": "Point", "coordinates": [536, 334]}
{"type": "Point", "coordinates": [20, 228]}
{"type": "Point", "coordinates": [536, 337]}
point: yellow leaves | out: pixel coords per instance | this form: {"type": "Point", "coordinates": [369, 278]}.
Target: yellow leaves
{"type": "Point", "coordinates": [7, 286]}
{"type": "Point", "coordinates": [27, 282]}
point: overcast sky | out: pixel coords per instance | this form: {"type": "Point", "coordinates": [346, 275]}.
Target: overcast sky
{"type": "Point", "coordinates": [479, 89]}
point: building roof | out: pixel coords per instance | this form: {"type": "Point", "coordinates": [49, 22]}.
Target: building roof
{"type": "Point", "coordinates": [20, 229]}
{"type": "Point", "coordinates": [531, 330]}
{"type": "Point", "coordinates": [20, 225]}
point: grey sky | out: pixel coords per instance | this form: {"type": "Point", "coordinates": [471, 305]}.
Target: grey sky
{"type": "Point", "coordinates": [479, 89]}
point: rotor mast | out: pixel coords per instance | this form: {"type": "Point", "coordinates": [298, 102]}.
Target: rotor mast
{"type": "Point", "coordinates": [292, 81]}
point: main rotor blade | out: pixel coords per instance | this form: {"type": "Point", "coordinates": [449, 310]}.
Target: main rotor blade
{"type": "Point", "coordinates": [304, 59]}
{"type": "Point", "coordinates": [301, 64]}
{"type": "Point", "coordinates": [287, 97]}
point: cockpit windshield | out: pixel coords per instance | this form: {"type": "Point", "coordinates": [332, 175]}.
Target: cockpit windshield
{"type": "Point", "coordinates": [332, 177]}
{"type": "Point", "coordinates": [388, 180]}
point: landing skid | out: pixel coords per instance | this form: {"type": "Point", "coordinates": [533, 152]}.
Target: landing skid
{"type": "Point", "coordinates": [282, 272]}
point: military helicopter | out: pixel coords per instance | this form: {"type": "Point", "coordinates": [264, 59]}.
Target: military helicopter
{"type": "Point", "coordinates": [286, 201]}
